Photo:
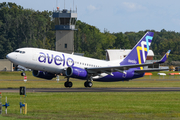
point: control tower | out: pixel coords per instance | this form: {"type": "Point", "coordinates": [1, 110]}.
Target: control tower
{"type": "Point", "coordinates": [65, 21]}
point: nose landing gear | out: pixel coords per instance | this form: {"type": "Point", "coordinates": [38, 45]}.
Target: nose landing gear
{"type": "Point", "coordinates": [23, 74]}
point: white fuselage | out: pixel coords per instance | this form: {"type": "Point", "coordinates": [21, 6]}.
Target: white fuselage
{"type": "Point", "coordinates": [53, 61]}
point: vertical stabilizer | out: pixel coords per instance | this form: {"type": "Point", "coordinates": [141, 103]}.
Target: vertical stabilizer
{"type": "Point", "coordinates": [139, 52]}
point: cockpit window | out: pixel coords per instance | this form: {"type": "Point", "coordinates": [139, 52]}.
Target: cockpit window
{"type": "Point", "coordinates": [18, 51]}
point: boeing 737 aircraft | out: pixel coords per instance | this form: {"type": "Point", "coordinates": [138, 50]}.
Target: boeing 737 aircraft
{"type": "Point", "coordinates": [47, 64]}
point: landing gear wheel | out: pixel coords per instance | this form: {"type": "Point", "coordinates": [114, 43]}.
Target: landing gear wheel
{"type": "Point", "coordinates": [85, 84]}
{"type": "Point", "coordinates": [68, 84]}
{"type": "Point", "coordinates": [88, 84]}
{"type": "Point", "coordinates": [23, 74]}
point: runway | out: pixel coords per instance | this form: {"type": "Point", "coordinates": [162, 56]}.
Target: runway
{"type": "Point", "coordinates": [167, 89]}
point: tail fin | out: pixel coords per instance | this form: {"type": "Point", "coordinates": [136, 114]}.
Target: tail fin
{"type": "Point", "coordinates": [139, 52]}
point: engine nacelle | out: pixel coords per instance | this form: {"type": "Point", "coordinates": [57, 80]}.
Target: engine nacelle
{"type": "Point", "coordinates": [44, 75]}
{"type": "Point", "coordinates": [131, 74]}
{"type": "Point", "coordinates": [76, 72]}
{"type": "Point", "coordinates": [128, 74]}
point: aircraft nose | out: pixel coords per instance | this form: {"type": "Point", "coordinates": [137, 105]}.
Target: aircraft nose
{"type": "Point", "coordinates": [10, 56]}
{"type": "Point", "coordinates": [7, 56]}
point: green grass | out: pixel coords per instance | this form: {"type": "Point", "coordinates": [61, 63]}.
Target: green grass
{"type": "Point", "coordinates": [80, 84]}
{"type": "Point", "coordinates": [16, 75]}
{"type": "Point", "coordinates": [14, 80]}
{"type": "Point", "coordinates": [94, 105]}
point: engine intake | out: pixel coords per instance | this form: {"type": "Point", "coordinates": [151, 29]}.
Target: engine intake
{"type": "Point", "coordinates": [76, 72]}
{"type": "Point", "coordinates": [44, 75]}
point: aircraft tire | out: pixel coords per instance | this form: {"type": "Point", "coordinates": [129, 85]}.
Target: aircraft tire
{"type": "Point", "coordinates": [68, 84]}
{"type": "Point", "coordinates": [23, 74]}
{"type": "Point", "coordinates": [88, 84]}
{"type": "Point", "coordinates": [65, 84]}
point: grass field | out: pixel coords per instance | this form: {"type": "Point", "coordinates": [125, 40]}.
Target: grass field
{"type": "Point", "coordinates": [96, 106]}
{"type": "Point", "coordinates": [14, 80]}
{"type": "Point", "coordinates": [93, 105]}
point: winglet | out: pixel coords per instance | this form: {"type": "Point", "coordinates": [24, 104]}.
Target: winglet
{"type": "Point", "coordinates": [164, 58]}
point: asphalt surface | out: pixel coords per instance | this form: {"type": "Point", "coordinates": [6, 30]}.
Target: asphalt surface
{"type": "Point", "coordinates": [93, 89]}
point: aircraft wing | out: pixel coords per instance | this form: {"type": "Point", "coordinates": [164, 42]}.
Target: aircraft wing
{"type": "Point", "coordinates": [122, 68]}
{"type": "Point", "coordinates": [115, 68]}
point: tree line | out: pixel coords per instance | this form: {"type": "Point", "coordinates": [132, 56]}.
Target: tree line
{"type": "Point", "coordinates": [21, 27]}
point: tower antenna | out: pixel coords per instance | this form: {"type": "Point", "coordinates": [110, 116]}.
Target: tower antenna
{"type": "Point", "coordinates": [56, 3]}
{"type": "Point", "coordinates": [64, 4]}
{"type": "Point", "coordinates": [73, 5]}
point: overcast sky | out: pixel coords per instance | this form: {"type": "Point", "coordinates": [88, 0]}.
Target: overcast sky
{"type": "Point", "coordinates": [117, 15]}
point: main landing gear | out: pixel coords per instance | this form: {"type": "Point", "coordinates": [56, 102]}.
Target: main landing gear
{"type": "Point", "coordinates": [88, 83]}
{"type": "Point", "coordinates": [68, 83]}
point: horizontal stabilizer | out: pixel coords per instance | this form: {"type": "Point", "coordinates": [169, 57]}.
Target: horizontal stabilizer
{"type": "Point", "coordinates": [150, 70]}
{"type": "Point", "coordinates": [164, 58]}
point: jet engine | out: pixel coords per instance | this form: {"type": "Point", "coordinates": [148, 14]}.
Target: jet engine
{"type": "Point", "coordinates": [76, 72]}
{"type": "Point", "coordinates": [41, 74]}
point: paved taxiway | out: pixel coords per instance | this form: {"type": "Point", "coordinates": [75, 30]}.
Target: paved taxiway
{"type": "Point", "coordinates": [93, 89]}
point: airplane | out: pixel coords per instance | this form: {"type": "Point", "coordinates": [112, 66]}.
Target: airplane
{"type": "Point", "coordinates": [47, 64]}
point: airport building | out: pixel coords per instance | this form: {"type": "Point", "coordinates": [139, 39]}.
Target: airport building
{"type": "Point", "coordinates": [65, 21]}
{"type": "Point", "coordinates": [115, 54]}
{"type": "Point", "coordinates": [6, 65]}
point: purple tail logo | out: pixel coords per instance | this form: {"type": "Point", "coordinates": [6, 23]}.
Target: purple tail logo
{"type": "Point", "coordinates": [139, 52]}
